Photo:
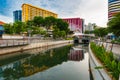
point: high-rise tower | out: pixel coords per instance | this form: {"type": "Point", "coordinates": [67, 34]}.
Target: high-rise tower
{"type": "Point", "coordinates": [17, 15]}
{"type": "Point", "coordinates": [113, 8]}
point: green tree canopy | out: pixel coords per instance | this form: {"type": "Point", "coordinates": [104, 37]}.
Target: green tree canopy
{"type": "Point", "coordinates": [114, 25]}
{"type": "Point", "coordinates": [38, 21]}
{"type": "Point", "coordinates": [19, 27]}
{"type": "Point", "coordinates": [63, 26]}
{"type": "Point", "coordinates": [49, 22]}
{"type": "Point", "coordinates": [29, 23]}
{"type": "Point", "coordinates": [100, 32]}
{"type": "Point", "coordinates": [59, 27]}
{"type": "Point", "coordinates": [15, 28]}
{"type": "Point", "coordinates": [8, 28]}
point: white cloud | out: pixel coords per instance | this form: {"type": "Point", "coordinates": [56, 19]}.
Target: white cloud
{"type": "Point", "coordinates": [94, 11]}
{"type": "Point", "coordinates": [6, 19]}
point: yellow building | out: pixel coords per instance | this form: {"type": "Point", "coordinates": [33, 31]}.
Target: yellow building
{"type": "Point", "coordinates": [29, 12]}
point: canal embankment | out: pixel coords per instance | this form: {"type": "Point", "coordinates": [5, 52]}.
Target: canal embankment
{"type": "Point", "coordinates": [7, 50]}
{"type": "Point", "coordinates": [103, 63]}
{"type": "Point", "coordinates": [98, 74]}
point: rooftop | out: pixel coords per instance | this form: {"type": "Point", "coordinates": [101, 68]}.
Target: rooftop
{"type": "Point", "coordinates": [37, 8]}
{"type": "Point", "coordinates": [2, 23]}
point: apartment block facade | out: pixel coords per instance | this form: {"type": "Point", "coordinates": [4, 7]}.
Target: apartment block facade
{"type": "Point", "coordinates": [30, 11]}
{"type": "Point", "coordinates": [113, 8]}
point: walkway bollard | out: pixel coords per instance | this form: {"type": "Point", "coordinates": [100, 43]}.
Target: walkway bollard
{"type": "Point", "coordinates": [111, 47]}
{"type": "Point", "coordinates": [13, 42]}
{"type": "Point", "coordinates": [106, 45]}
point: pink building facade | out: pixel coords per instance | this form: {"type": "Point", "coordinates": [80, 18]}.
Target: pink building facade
{"type": "Point", "coordinates": [75, 24]}
{"type": "Point", "coordinates": [76, 55]}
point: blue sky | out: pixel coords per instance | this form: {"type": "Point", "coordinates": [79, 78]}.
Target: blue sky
{"type": "Point", "coordinates": [94, 11]}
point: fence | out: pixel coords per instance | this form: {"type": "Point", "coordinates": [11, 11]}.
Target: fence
{"type": "Point", "coordinates": [12, 42]}
{"type": "Point", "coordinates": [110, 47]}
{"type": "Point", "coordinates": [23, 41]}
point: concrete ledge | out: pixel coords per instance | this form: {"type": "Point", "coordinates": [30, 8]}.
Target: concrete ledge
{"type": "Point", "coordinates": [98, 74]}
{"type": "Point", "coordinates": [4, 51]}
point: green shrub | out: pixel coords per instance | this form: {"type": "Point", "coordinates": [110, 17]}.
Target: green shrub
{"type": "Point", "coordinates": [107, 59]}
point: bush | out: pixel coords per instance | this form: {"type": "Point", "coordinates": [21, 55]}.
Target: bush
{"type": "Point", "coordinates": [107, 59]}
{"type": "Point", "coordinates": [69, 39]}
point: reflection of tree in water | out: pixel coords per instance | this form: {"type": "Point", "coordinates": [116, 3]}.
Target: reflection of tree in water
{"type": "Point", "coordinates": [13, 73]}
{"type": "Point", "coordinates": [12, 59]}
{"type": "Point", "coordinates": [37, 63]}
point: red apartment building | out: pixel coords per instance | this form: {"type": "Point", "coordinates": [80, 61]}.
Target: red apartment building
{"type": "Point", "coordinates": [75, 24]}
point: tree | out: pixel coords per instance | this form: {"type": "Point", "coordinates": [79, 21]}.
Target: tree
{"type": "Point", "coordinates": [55, 32]}
{"type": "Point", "coordinates": [60, 30]}
{"type": "Point", "coordinates": [19, 27]}
{"type": "Point", "coordinates": [29, 23]}
{"type": "Point", "coordinates": [100, 32]}
{"type": "Point", "coordinates": [49, 22]}
{"type": "Point", "coordinates": [8, 28]}
{"type": "Point", "coordinates": [38, 21]}
{"type": "Point", "coordinates": [114, 24]}
{"type": "Point", "coordinates": [63, 26]}
{"type": "Point", "coordinates": [62, 34]}
{"type": "Point", "coordinates": [38, 30]}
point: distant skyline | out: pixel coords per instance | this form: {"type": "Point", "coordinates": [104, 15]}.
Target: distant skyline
{"type": "Point", "coordinates": [92, 11]}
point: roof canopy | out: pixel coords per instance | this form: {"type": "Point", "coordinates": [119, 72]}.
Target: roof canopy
{"type": "Point", "coordinates": [78, 34]}
{"type": "Point", "coordinates": [2, 23]}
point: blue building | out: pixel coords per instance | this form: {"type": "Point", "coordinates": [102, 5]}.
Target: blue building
{"type": "Point", "coordinates": [17, 15]}
{"type": "Point", "coordinates": [1, 28]}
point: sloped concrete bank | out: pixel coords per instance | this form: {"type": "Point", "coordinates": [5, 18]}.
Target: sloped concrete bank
{"type": "Point", "coordinates": [9, 50]}
{"type": "Point", "coordinates": [98, 74]}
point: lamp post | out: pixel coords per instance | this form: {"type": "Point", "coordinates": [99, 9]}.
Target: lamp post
{"type": "Point", "coordinates": [29, 35]}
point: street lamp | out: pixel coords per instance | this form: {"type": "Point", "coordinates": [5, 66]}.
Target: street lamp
{"type": "Point", "coordinates": [29, 35]}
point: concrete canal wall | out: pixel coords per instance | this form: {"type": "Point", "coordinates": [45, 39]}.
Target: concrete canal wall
{"type": "Point", "coordinates": [8, 50]}
{"type": "Point", "coordinates": [98, 74]}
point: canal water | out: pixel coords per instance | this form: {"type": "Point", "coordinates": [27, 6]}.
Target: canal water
{"type": "Point", "coordinates": [61, 63]}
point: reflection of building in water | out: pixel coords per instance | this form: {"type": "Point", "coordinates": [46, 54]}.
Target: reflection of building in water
{"type": "Point", "coordinates": [76, 55]}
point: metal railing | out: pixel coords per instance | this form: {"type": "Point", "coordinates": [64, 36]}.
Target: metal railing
{"type": "Point", "coordinates": [24, 41]}
{"type": "Point", "coordinates": [13, 42]}
{"type": "Point", "coordinates": [113, 47]}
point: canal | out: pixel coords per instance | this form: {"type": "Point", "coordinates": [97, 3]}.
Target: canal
{"type": "Point", "coordinates": [62, 63]}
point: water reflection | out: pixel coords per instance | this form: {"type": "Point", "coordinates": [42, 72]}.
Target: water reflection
{"type": "Point", "coordinates": [39, 62]}
{"type": "Point", "coordinates": [76, 55]}
{"type": "Point", "coordinates": [34, 63]}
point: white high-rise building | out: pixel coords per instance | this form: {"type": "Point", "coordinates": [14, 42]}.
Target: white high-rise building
{"type": "Point", "coordinates": [89, 27]}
